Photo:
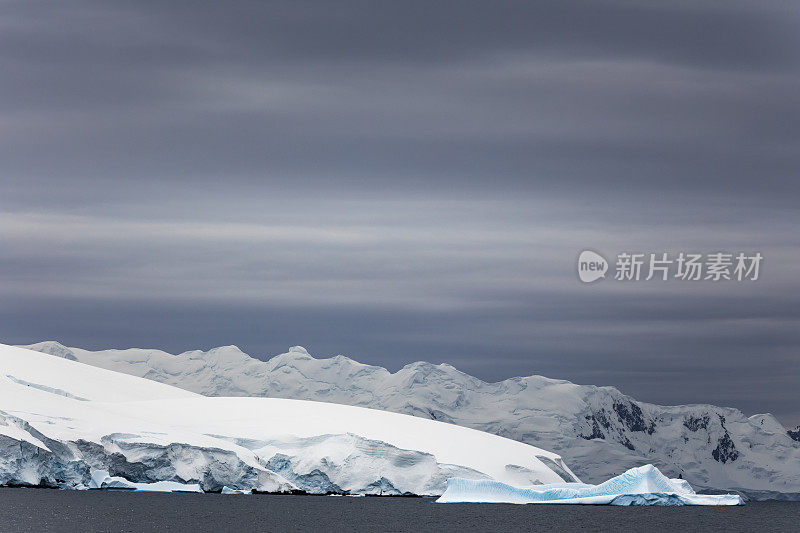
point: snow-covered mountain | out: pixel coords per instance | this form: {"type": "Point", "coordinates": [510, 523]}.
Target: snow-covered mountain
{"type": "Point", "coordinates": [71, 425]}
{"type": "Point", "coordinates": [599, 431]}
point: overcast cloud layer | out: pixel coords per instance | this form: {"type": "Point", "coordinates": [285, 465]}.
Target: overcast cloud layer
{"type": "Point", "coordinates": [409, 180]}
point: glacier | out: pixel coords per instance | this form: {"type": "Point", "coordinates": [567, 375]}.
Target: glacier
{"type": "Point", "coordinates": [599, 431]}
{"type": "Point", "coordinates": [70, 425]}
{"type": "Point", "coordinates": [644, 485]}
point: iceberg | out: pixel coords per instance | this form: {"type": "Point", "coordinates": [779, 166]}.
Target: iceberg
{"type": "Point", "coordinates": [227, 490]}
{"type": "Point", "coordinates": [101, 479]}
{"type": "Point", "coordinates": [644, 485]}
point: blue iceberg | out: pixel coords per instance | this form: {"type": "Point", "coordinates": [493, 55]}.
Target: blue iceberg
{"type": "Point", "coordinates": [644, 485]}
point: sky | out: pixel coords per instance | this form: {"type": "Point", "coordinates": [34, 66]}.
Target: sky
{"type": "Point", "coordinates": [403, 181]}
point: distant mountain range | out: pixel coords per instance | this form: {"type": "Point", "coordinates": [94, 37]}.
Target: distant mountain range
{"type": "Point", "coordinates": [599, 431]}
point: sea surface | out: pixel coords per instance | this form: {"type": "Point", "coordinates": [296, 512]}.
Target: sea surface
{"type": "Point", "coordinates": [64, 511]}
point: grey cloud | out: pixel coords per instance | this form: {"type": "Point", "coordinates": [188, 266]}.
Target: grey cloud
{"type": "Point", "coordinates": [276, 93]}
{"type": "Point", "coordinates": [403, 181]}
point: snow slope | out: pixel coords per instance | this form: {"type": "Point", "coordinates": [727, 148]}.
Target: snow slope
{"type": "Point", "coordinates": [598, 430]}
{"type": "Point", "coordinates": [65, 423]}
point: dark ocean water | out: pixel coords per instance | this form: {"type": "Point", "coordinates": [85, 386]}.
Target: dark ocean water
{"type": "Point", "coordinates": [55, 510]}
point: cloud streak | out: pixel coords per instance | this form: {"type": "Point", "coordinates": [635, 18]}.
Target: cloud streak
{"type": "Point", "coordinates": [401, 182]}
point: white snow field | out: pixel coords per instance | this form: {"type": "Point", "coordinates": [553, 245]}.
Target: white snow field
{"type": "Point", "coordinates": [67, 424]}
{"type": "Point", "coordinates": [599, 431]}
{"type": "Point", "coordinates": [644, 485]}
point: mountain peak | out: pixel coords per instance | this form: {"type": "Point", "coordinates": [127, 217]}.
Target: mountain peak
{"type": "Point", "coordinates": [227, 348]}
{"type": "Point", "coordinates": [53, 348]}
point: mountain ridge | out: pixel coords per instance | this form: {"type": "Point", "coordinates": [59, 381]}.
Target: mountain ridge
{"type": "Point", "coordinates": [600, 430]}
